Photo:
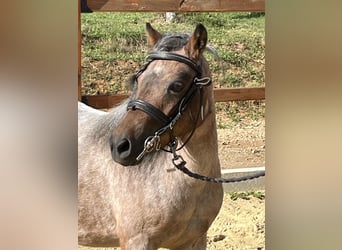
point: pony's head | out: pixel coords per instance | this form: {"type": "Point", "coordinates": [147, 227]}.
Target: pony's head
{"type": "Point", "coordinates": [168, 96]}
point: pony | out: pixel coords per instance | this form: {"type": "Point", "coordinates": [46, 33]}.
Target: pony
{"type": "Point", "coordinates": [129, 192]}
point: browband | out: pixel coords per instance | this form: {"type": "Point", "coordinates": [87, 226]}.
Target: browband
{"type": "Point", "coordinates": [162, 55]}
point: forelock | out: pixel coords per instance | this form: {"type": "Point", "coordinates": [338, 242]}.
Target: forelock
{"type": "Point", "coordinates": [171, 42]}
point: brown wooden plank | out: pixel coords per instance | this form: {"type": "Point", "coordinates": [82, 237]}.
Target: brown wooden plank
{"type": "Point", "coordinates": [132, 5]}
{"type": "Point", "coordinates": [221, 95]}
{"type": "Point", "coordinates": [103, 101]}
{"type": "Point", "coordinates": [239, 94]}
{"type": "Point", "coordinates": [223, 5]}
{"type": "Point", "coordinates": [177, 6]}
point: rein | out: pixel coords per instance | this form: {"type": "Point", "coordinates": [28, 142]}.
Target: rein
{"type": "Point", "coordinates": [153, 142]}
{"type": "Point", "coordinates": [181, 166]}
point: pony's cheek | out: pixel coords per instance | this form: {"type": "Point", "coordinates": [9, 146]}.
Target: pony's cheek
{"type": "Point", "coordinates": [183, 126]}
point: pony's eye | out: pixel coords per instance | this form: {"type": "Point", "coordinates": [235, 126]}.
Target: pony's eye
{"type": "Point", "coordinates": [175, 87]}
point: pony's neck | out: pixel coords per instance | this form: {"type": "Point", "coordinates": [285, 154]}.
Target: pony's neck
{"type": "Point", "coordinates": [202, 149]}
{"type": "Point", "coordinates": [205, 134]}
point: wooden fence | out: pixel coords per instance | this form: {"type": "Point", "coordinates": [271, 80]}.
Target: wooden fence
{"type": "Point", "coordinates": [222, 94]}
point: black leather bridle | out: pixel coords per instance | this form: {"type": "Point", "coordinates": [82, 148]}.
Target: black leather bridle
{"type": "Point", "coordinates": [168, 122]}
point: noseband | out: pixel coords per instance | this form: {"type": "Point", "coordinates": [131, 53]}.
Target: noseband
{"type": "Point", "coordinates": [168, 122]}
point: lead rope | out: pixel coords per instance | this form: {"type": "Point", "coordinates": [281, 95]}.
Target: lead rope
{"type": "Point", "coordinates": [181, 166]}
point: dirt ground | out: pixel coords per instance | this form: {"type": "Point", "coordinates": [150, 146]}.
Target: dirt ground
{"type": "Point", "coordinates": [240, 225]}
{"type": "Point", "coordinates": [242, 145]}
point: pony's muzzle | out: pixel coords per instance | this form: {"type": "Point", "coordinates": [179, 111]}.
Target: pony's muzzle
{"type": "Point", "coordinates": [121, 149]}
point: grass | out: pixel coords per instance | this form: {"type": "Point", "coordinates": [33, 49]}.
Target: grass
{"type": "Point", "coordinates": [114, 45]}
{"type": "Point", "coordinates": [247, 195]}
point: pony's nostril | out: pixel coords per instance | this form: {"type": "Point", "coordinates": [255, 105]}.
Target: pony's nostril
{"type": "Point", "coordinates": [111, 143]}
{"type": "Point", "coordinates": [121, 150]}
{"type": "Point", "coordinates": [124, 147]}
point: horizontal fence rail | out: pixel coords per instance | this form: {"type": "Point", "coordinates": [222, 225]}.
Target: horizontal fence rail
{"type": "Point", "coordinates": [239, 94]}
{"type": "Point", "coordinates": [174, 6]}
{"type": "Point", "coordinates": [220, 95]}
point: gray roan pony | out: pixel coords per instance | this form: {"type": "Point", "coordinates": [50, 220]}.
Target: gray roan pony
{"type": "Point", "coordinates": [130, 193]}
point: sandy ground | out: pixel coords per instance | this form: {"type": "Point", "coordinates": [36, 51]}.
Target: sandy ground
{"type": "Point", "coordinates": [240, 225]}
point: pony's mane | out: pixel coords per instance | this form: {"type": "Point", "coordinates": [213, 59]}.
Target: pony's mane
{"type": "Point", "coordinates": [171, 42]}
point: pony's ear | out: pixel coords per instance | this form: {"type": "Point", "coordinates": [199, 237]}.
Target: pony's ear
{"type": "Point", "coordinates": [197, 42]}
{"type": "Point", "coordinates": [153, 36]}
